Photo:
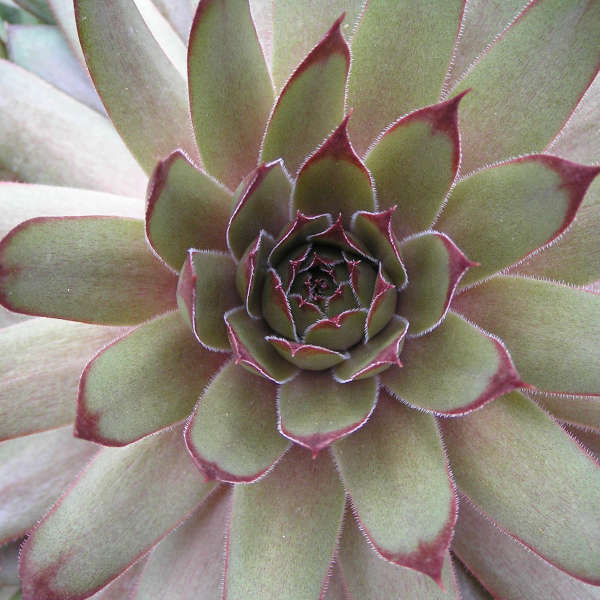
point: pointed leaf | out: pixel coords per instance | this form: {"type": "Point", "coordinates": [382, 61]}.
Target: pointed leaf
{"type": "Point", "coordinates": [251, 271]}
{"type": "Point", "coordinates": [335, 585]}
{"type": "Point", "coordinates": [337, 236]}
{"type": "Point", "coordinates": [581, 411]}
{"type": "Point", "coordinates": [563, 322]}
{"type": "Point", "coordinates": [72, 557]}
{"type": "Point", "coordinates": [186, 209]}
{"type": "Point", "coordinates": [529, 476]}
{"type": "Point", "coordinates": [315, 410]}
{"type": "Point", "coordinates": [304, 313]}
{"type": "Point", "coordinates": [306, 356]}
{"type": "Point", "coordinates": [91, 269]}
{"type": "Point", "coordinates": [527, 203]}
{"type": "Point", "coordinates": [453, 370]}
{"type": "Point", "coordinates": [233, 435]}
{"type": "Point", "coordinates": [334, 180]}
{"type": "Point", "coordinates": [382, 306]}
{"type": "Point", "coordinates": [293, 517]}
{"type": "Point", "coordinates": [311, 104]}
{"type": "Point", "coordinates": [362, 277]}
{"type": "Point", "coordinates": [339, 332]}
{"type": "Point", "coordinates": [396, 474]}
{"type": "Point", "coordinates": [230, 89]}
{"type": "Point", "coordinates": [342, 299]}
{"type": "Point", "coordinates": [276, 307]}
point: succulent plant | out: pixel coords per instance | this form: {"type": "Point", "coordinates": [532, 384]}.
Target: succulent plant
{"type": "Point", "coordinates": [353, 350]}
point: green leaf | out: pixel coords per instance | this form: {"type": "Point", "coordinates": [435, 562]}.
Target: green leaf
{"type": "Point", "coordinates": [128, 66]}
{"type": "Point", "coordinates": [230, 89]}
{"type": "Point", "coordinates": [498, 118]}
{"type": "Point", "coordinates": [306, 356]}
{"type": "Point", "coordinates": [339, 332]}
{"type": "Point", "coordinates": [250, 273]}
{"type": "Point", "coordinates": [501, 214]}
{"type": "Point", "coordinates": [73, 557]}
{"type": "Point", "coordinates": [416, 37]}
{"type": "Point", "coordinates": [453, 370]}
{"type": "Point", "coordinates": [143, 382]}
{"type": "Point", "coordinates": [469, 586]}
{"type": "Point", "coordinates": [311, 104]}
{"type": "Point", "coordinates": [315, 410]}
{"type": "Point", "coordinates": [39, 8]}
{"type": "Point", "coordinates": [233, 435]}
{"type": "Point", "coordinates": [550, 330]}
{"type": "Point", "coordinates": [123, 585]}
{"type": "Point", "coordinates": [396, 474]}
{"type": "Point", "coordinates": [43, 129]}
{"type": "Point", "coordinates": [91, 269]}
{"type": "Point", "coordinates": [276, 308]}
{"type": "Point", "coordinates": [581, 411]}
{"type": "Point", "coordinates": [186, 209]}
{"type": "Point", "coordinates": [528, 475]}
{"type": "Point", "coordinates": [40, 365]}
{"type": "Point", "coordinates": [290, 518]}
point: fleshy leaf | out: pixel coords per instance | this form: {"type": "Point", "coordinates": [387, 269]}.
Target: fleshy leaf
{"type": "Point", "coordinates": [143, 382]}
{"type": "Point", "coordinates": [304, 313]}
{"type": "Point", "coordinates": [67, 556]}
{"type": "Point", "coordinates": [311, 104]}
{"type": "Point", "coordinates": [250, 273]}
{"type": "Point", "coordinates": [276, 308]}
{"type": "Point", "coordinates": [186, 209]}
{"type": "Point", "coordinates": [92, 269]}
{"type": "Point", "coordinates": [469, 586]}
{"type": "Point", "coordinates": [337, 236]}
{"type": "Point", "coordinates": [396, 474]}
{"type": "Point", "coordinates": [383, 305]}
{"type": "Point", "coordinates": [362, 277]}
{"type": "Point", "coordinates": [435, 267]}
{"type": "Point", "coordinates": [563, 322]}
{"type": "Point", "coordinates": [315, 410]}
{"type": "Point", "coordinates": [581, 411]}
{"type": "Point", "coordinates": [414, 163]}
{"type": "Point", "coordinates": [230, 89]}
{"type": "Point", "coordinates": [306, 356]}
{"type": "Point", "coordinates": [526, 203]}
{"type": "Point", "coordinates": [342, 299]}
{"type": "Point", "coordinates": [293, 517]}
{"type": "Point", "coordinates": [262, 202]}
{"type": "Point", "coordinates": [528, 475]}
{"type": "Point", "coordinates": [334, 179]}
{"type": "Point", "coordinates": [339, 332]}
{"type": "Point", "coordinates": [232, 435]}
{"type": "Point", "coordinates": [454, 369]}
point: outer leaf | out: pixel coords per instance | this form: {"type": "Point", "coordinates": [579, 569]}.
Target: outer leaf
{"type": "Point", "coordinates": [186, 209]}
{"type": "Point", "coordinates": [560, 40]}
{"type": "Point", "coordinates": [311, 104]}
{"type": "Point", "coordinates": [72, 557]}
{"type": "Point", "coordinates": [581, 411]}
{"type": "Point", "coordinates": [143, 382]}
{"type": "Point", "coordinates": [469, 587]}
{"type": "Point", "coordinates": [91, 269]}
{"type": "Point", "coordinates": [42, 130]}
{"type": "Point", "coordinates": [453, 370]}
{"type": "Point", "coordinates": [123, 585]}
{"type": "Point", "coordinates": [409, 519]}
{"type": "Point", "coordinates": [292, 517]}
{"type": "Point", "coordinates": [315, 410]}
{"type": "Point", "coordinates": [232, 435]}
{"type": "Point", "coordinates": [528, 475]}
{"type": "Point", "coordinates": [230, 89]}
{"type": "Point", "coordinates": [527, 203]}
{"type": "Point", "coordinates": [40, 366]}
{"type": "Point", "coordinates": [563, 322]}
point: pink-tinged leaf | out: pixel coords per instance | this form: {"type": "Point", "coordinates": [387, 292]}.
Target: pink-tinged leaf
{"type": "Point", "coordinates": [581, 411]}
{"type": "Point", "coordinates": [311, 103]}
{"type": "Point", "coordinates": [252, 350]}
{"type": "Point", "coordinates": [362, 277]}
{"type": "Point", "coordinates": [40, 365]}
{"type": "Point", "coordinates": [70, 557]}
{"type": "Point", "coordinates": [339, 332]}
{"type": "Point", "coordinates": [396, 474]}
{"type": "Point", "coordinates": [563, 321]}
{"type": "Point", "coordinates": [334, 180]}
{"type": "Point", "coordinates": [230, 89]}
{"type": "Point", "coordinates": [304, 313]}
{"type": "Point", "coordinates": [123, 388]}
{"type": "Point", "coordinates": [501, 214]}
{"type": "Point", "coordinates": [468, 585]}
{"type": "Point", "coordinates": [499, 118]}
{"type": "Point", "coordinates": [383, 305]}
{"type": "Point", "coordinates": [453, 370]}
{"type": "Point", "coordinates": [292, 264]}
{"type": "Point", "coordinates": [293, 517]}
{"type": "Point", "coordinates": [128, 66]}
{"type": "Point", "coordinates": [335, 235]}
{"type": "Point", "coordinates": [124, 585]}
{"type": "Point", "coordinates": [206, 291]}
{"type": "Point", "coordinates": [34, 470]}
{"type": "Point", "coordinates": [532, 479]}
{"type": "Point", "coordinates": [505, 567]}
{"type": "Point", "coordinates": [342, 299]}
{"type": "Point", "coordinates": [419, 154]}
{"type": "Point", "coordinates": [368, 577]}
{"type": "Point", "coordinates": [189, 562]}
{"type": "Point", "coordinates": [435, 266]}
{"type": "Point", "coordinates": [377, 355]}
{"type": "Point", "coordinates": [276, 308]}
{"type": "Point", "coordinates": [335, 585]}
{"type": "Point", "coordinates": [416, 38]}
{"type": "Point", "coordinates": [48, 130]}
{"type": "Point", "coordinates": [91, 269]}
{"type": "Point", "coordinates": [315, 410]}
{"type": "Point", "coordinates": [306, 356]}
{"type": "Point", "coordinates": [185, 209]}
{"type": "Point", "coordinates": [232, 435]}
{"type": "Point", "coordinates": [250, 273]}
{"type": "Point", "coordinates": [589, 439]}
{"type": "Point", "coordinates": [261, 202]}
